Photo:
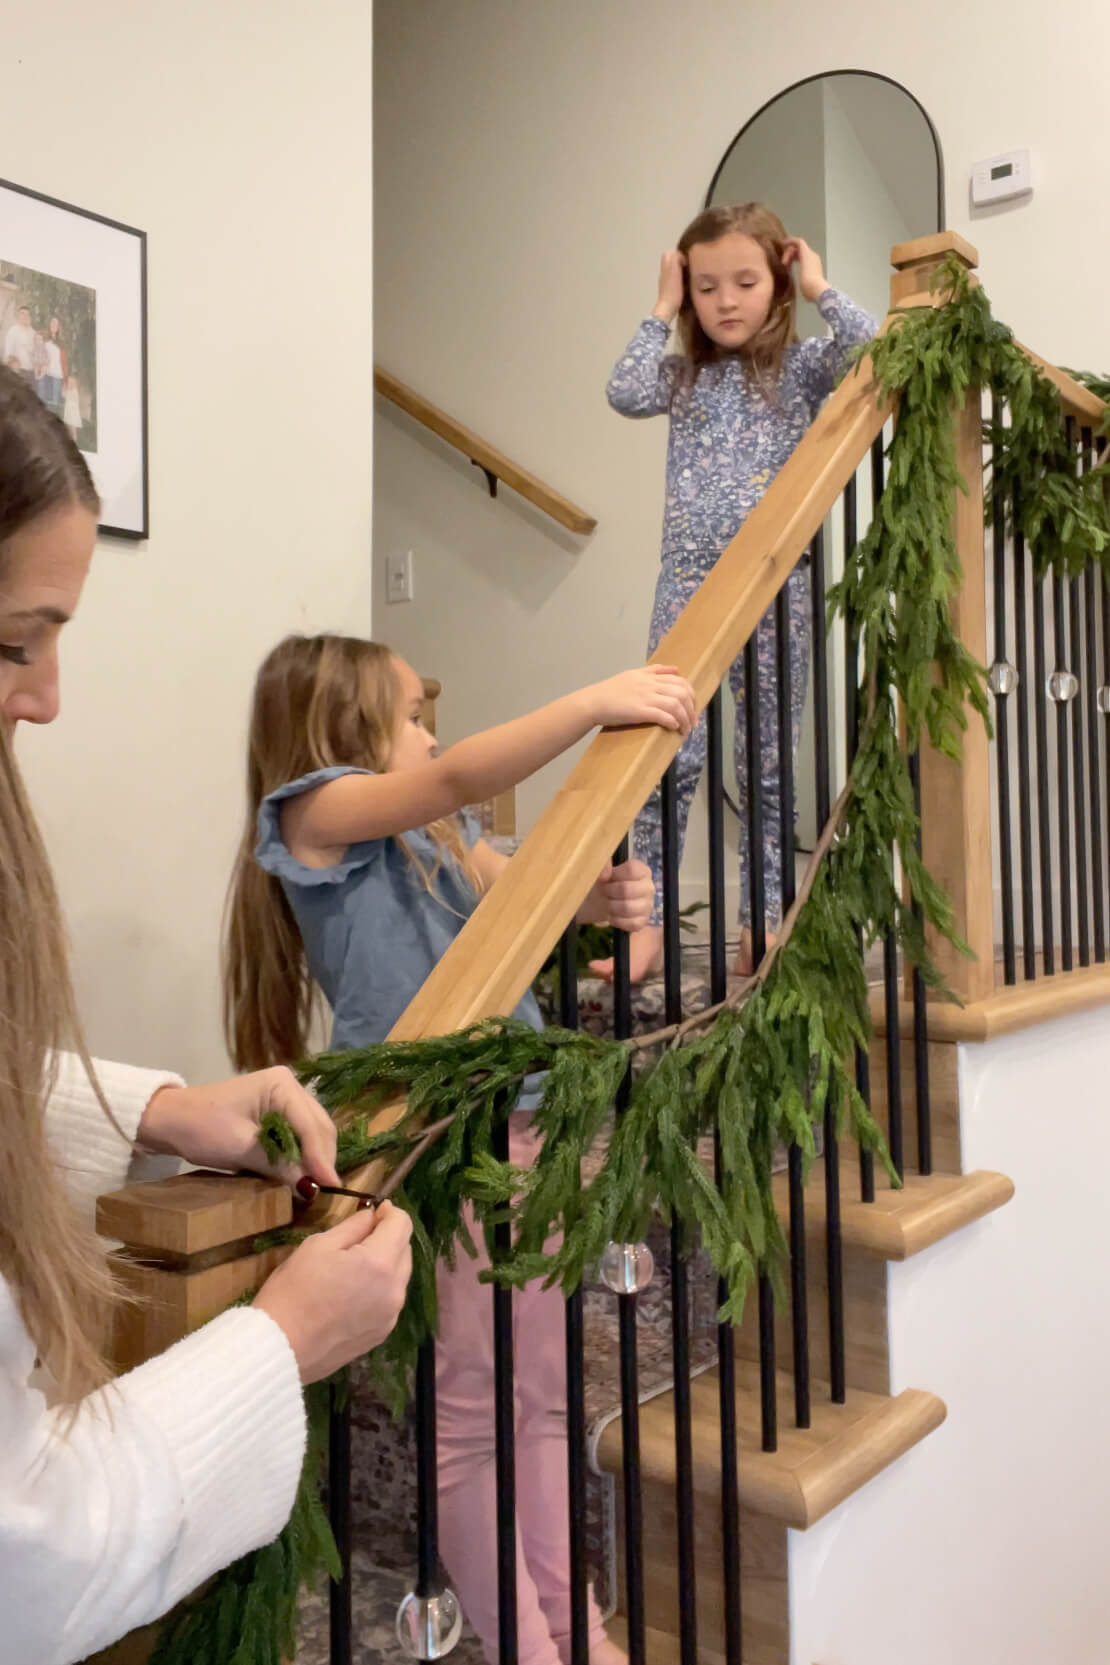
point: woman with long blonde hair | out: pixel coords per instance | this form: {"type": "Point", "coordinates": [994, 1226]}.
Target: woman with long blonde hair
{"type": "Point", "coordinates": [119, 1498]}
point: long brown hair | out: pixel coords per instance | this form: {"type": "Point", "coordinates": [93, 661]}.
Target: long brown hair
{"type": "Point", "coordinates": [763, 354]}
{"type": "Point", "coordinates": [318, 701]}
{"type": "Point", "coordinates": [54, 1262]}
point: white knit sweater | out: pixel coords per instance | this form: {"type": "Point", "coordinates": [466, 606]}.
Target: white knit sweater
{"type": "Point", "coordinates": [172, 1472]}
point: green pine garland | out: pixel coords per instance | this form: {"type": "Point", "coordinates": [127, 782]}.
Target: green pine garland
{"type": "Point", "coordinates": [762, 1073]}
{"type": "Point", "coordinates": [247, 1614]}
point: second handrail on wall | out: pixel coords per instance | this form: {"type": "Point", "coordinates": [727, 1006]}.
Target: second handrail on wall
{"type": "Point", "coordinates": [493, 463]}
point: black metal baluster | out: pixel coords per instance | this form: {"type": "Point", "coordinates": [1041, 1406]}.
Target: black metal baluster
{"type": "Point", "coordinates": [1079, 782]}
{"type": "Point", "coordinates": [568, 977]}
{"type": "Point", "coordinates": [427, 1502]}
{"type": "Point", "coordinates": [798, 1290]}
{"type": "Point", "coordinates": [890, 961]}
{"type": "Point", "coordinates": [923, 1103]}
{"type": "Point", "coordinates": [769, 1416]}
{"type": "Point", "coordinates": [726, 1345]}
{"type": "Point", "coordinates": [893, 1051]}
{"type": "Point", "coordinates": [757, 892]}
{"type": "Point", "coordinates": [622, 987]}
{"type": "Point", "coordinates": [1090, 589]}
{"type": "Point", "coordinates": [1044, 815]}
{"type": "Point", "coordinates": [576, 1387]}
{"type": "Point", "coordinates": [1025, 774]}
{"type": "Point", "coordinates": [718, 924]}
{"type": "Point", "coordinates": [1001, 684]}
{"type": "Point", "coordinates": [1060, 637]}
{"type": "Point", "coordinates": [822, 791]}
{"type": "Point", "coordinates": [834, 1256]}
{"type": "Point", "coordinates": [1104, 680]}
{"type": "Point", "coordinates": [680, 1296]}
{"type": "Point", "coordinates": [757, 901]}
{"type": "Point", "coordinates": [339, 1517]}
{"type": "Point", "coordinates": [504, 1417]}
{"type": "Point", "coordinates": [851, 711]}
{"type": "Point", "coordinates": [629, 1359]}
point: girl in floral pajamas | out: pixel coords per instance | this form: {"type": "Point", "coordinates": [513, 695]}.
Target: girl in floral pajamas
{"type": "Point", "coordinates": [740, 397]}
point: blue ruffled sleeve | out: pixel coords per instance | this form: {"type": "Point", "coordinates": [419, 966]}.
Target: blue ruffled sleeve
{"type": "Point", "coordinates": [272, 853]}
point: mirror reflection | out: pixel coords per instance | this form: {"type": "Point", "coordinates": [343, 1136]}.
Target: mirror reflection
{"type": "Point", "coordinates": [849, 162]}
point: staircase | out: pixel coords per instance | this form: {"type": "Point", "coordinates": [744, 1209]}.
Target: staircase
{"type": "Point", "coordinates": [802, 1471]}
{"type": "Point", "coordinates": [814, 1470]}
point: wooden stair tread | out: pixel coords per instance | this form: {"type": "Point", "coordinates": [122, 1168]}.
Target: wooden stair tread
{"type": "Point", "coordinates": [901, 1223]}
{"type": "Point", "coordinates": [660, 1647]}
{"type": "Point", "coordinates": [1006, 1010]}
{"type": "Point", "coordinates": [813, 1470]}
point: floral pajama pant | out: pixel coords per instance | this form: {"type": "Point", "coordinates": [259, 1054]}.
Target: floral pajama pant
{"type": "Point", "coordinates": [679, 577]}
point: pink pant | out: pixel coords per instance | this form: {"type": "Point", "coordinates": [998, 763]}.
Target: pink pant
{"type": "Point", "coordinates": [466, 1452]}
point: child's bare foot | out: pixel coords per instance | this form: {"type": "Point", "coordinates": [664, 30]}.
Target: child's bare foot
{"type": "Point", "coordinates": [645, 956]}
{"type": "Point", "coordinates": [744, 965]}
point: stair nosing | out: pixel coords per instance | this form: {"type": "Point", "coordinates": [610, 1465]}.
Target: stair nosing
{"type": "Point", "coordinates": [799, 1489]}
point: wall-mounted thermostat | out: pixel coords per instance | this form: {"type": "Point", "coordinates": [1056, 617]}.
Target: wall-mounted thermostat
{"type": "Point", "coordinates": [1000, 178]}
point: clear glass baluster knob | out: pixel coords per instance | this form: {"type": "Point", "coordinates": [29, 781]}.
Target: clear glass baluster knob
{"type": "Point", "coordinates": [1061, 686]}
{"type": "Point", "coordinates": [626, 1268]}
{"type": "Point", "coordinates": [429, 1626]}
{"type": "Point", "coordinates": [1002, 678]}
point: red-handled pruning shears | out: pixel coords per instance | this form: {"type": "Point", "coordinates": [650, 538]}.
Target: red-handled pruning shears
{"type": "Point", "coordinates": [308, 1190]}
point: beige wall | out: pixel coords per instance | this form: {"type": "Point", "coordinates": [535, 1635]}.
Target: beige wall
{"type": "Point", "coordinates": [531, 161]}
{"type": "Point", "coordinates": [237, 134]}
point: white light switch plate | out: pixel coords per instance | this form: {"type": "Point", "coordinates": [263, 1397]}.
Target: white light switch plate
{"type": "Point", "coordinates": [398, 576]}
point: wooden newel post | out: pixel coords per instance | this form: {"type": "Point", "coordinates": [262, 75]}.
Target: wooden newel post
{"type": "Point", "coordinates": [955, 797]}
{"type": "Point", "coordinates": [187, 1253]}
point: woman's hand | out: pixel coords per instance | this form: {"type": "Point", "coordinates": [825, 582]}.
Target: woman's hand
{"type": "Point", "coordinates": [622, 897]}
{"type": "Point", "coordinates": [654, 694]}
{"type": "Point", "coordinates": [672, 286]}
{"type": "Point", "coordinates": [217, 1126]}
{"type": "Point", "coordinates": [811, 275]}
{"type": "Point", "coordinates": [341, 1292]}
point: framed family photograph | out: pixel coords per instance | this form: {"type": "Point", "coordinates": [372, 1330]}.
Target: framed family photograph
{"type": "Point", "coordinates": [73, 325]}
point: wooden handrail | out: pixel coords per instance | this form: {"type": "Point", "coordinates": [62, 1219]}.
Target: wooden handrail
{"type": "Point", "coordinates": [1077, 400]}
{"type": "Point", "coordinates": [494, 464]}
{"type": "Point", "coordinates": [494, 958]}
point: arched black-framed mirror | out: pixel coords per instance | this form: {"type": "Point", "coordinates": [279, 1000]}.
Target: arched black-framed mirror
{"type": "Point", "coordinates": [851, 161]}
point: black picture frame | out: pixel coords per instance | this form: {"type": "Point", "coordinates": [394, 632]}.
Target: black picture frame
{"type": "Point", "coordinates": [66, 266]}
